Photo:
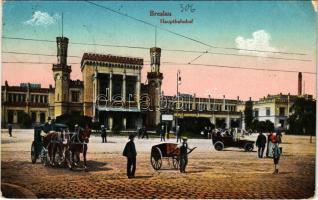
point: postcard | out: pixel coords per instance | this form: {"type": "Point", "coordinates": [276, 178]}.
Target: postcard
{"type": "Point", "coordinates": [158, 99]}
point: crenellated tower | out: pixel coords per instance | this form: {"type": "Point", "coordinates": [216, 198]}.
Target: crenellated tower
{"type": "Point", "coordinates": [154, 87]}
{"type": "Point", "coordinates": [61, 74]}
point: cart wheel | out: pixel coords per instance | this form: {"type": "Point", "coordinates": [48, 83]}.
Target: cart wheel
{"type": "Point", "coordinates": [175, 162]}
{"type": "Point", "coordinates": [156, 158]}
{"type": "Point", "coordinates": [33, 153]}
{"type": "Point", "coordinates": [219, 146]}
{"type": "Point", "coordinates": [248, 147]}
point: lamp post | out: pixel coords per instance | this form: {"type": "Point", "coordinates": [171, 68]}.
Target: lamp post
{"type": "Point", "coordinates": [178, 82]}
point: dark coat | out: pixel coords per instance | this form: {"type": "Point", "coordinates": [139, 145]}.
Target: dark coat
{"type": "Point", "coordinates": [103, 132]}
{"type": "Point", "coordinates": [261, 140]}
{"type": "Point", "coordinates": [130, 150]}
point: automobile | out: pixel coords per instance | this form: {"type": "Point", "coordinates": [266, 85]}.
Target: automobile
{"type": "Point", "coordinates": [221, 140]}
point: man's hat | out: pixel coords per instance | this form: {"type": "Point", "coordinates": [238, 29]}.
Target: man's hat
{"type": "Point", "coordinates": [131, 136]}
{"type": "Point", "coordinates": [76, 125]}
{"type": "Point", "coordinates": [185, 138]}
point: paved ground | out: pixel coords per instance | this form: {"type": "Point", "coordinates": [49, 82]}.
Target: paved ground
{"type": "Point", "coordinates": [232, 173]}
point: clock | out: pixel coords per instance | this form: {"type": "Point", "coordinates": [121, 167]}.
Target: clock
{"type": "Point", "coordinates": [58, 77]}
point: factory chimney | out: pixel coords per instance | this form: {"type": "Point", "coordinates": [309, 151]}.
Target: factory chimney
{"type": "Point", "coordinates": [300, 78]}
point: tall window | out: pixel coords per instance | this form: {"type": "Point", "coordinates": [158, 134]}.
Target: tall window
{"type": "Point", "coordinates": [281, 111]}
{"type": "Point", "coordinates": [256, 113]}
{"type": "Point", "coordinates": [75, 96]}
{"type": "Point", "coordinates": [268, 111]}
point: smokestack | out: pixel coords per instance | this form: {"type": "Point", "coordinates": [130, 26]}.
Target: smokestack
{"type": "Point", "coordinates": [300, 78]}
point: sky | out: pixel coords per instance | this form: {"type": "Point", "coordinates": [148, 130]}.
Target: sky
{"type": "Point", "coordinates": [270, 26]}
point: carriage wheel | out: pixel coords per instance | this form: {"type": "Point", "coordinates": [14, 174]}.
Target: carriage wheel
{"type": "Point", "coordinates": [248, 147]}
{"type": "Point", "coordinates": [33, 153]}
{"type": "Point", "coordinates": [175, 162]}
{"type": "Point", "coordinates": [156, 158]}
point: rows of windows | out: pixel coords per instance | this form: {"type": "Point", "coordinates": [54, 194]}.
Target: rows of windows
{"type": "Point", "coordinates": [14, 97]}
{"type": "Point", "coordinates": [200, 106]}
{"type": "Point", "coordinates": [18, 97]}
{"type": "Point", "coordinates": [35, 116]}
{"type": "Point", "coordinates": [39, 98]}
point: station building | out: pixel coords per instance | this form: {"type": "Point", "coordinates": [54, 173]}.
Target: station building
{"type": "Point", "coordinates": [112, 94]}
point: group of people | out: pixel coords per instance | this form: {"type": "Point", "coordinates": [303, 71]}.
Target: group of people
{"type": "Point", "coordinates": [142, 132]}
{"type": "Point", "coordinates": [165, 134]}
{"type": "Point", "coordinates": [273, 150]}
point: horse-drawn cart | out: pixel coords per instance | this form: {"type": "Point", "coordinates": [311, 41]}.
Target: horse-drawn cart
{"type": "Point", "coordinates": [170, 151]}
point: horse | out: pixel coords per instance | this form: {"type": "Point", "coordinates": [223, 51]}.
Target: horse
{"type": "Point", "coordinates": [52, 141]}
{"type": "Point", "coordinates": [78, 144]}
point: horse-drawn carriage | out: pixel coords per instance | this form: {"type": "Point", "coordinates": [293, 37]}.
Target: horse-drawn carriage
{"type": "Point", "coordinates": [41, 144]}
{"type": "Point", "coordinates": [54, 145]}
{"type": "Point", "coordinates": [169, 151]}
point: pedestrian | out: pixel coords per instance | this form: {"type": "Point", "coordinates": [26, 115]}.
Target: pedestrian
{"type": "Point", "coordinates": [144, 132]}
{"type": "Point", "coordinates": [260, 143]}
{"type": "Point", "coordinates": [276, 155]}
{"type": "Point", "coordinates": [139, 132]}
{"type": "Point", "coordinates": [162, 133]}
{"type": "Point", "coordinates": [130, 153]}
{"type": "Point", "coordinates": [178, 134]}
{"type": "Point", "coordinates": [10, 129]}
{"type": "Point", "coordinates": [279, 136]}
{"type": "Point", "coordinates": [184, 154]}
{"type": "Point", "coordinates": [103, 134]}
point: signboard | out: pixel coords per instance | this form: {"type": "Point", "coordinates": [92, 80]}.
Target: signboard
{"type": "Point", "coordinates": [166, 117]}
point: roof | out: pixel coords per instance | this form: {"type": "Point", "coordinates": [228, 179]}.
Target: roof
{"type": "Point", "coordinates": [112, 59]}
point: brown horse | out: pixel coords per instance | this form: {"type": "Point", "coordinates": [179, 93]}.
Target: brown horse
{"type": "Point", "coordinates": [78, 144]}
{"type": "Point", "coordinates": [53, 143]}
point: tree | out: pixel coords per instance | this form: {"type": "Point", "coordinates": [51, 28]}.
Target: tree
{"type": "Point", "coordinates": [248, 114]}
{"type": "Point", "coordinates": [303, 117]}
{"type": "Point", "coordinates": [262, 126]}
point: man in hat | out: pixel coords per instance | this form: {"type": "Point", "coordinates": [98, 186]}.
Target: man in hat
{"type": "Point", "coordinates": [103, 134]}
{"type": "Point", "coordinates": [184, 155]}
{"type": "Point", "coordinates": [260, 143]}
{"type": "Point", "coordinates": [130, 153]}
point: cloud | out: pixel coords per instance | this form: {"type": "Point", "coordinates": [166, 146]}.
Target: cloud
{"type": "Point", "coordinates": [260, 41]}
{"type": "Point", "coordinates": [42, 19]}
{"type": "Point", "coordinates": [314, 4]}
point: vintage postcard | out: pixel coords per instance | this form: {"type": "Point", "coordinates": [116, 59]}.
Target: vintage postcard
{"type": "Point", "coordinates": [158, 99]}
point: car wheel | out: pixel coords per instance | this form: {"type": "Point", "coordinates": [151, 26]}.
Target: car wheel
{"type": "Point", "coordinates": [219, 146]}
{"type": "Point", "coordinates": [248, 147]}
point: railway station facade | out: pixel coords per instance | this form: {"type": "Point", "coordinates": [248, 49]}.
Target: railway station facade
{"type": "Point", "coordinates": [112, 94]}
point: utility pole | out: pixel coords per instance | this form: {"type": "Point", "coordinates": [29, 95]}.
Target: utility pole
{"type": "Point", "coordinates": [178, 82]}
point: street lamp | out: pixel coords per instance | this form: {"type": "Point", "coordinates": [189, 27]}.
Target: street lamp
{"type": "Point", "coordinates": [178, 83]}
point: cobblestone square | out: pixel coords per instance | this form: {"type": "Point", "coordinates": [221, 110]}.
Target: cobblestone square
{"type": "Point", "coordinates": [231, 173]}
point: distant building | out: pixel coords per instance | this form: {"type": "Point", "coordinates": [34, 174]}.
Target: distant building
{"type": "Point", "coordinates": [28, 98]}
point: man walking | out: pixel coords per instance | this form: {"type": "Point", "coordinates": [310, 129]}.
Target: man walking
{"type": "Point", "coordinates": [162, 133]}
{"type": "Point", "coordinates": [10, 129]}
{"type": "Point", "coordinates": [130, 153]}
{"type": "Point", "coordinates": [178, 134]}
{"type": "Point", "coordinates": [260, 143]}
{"type": "Point", "coordinates": [103, 134]}
{"type": "Point", "coordinates": [144, 132]}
